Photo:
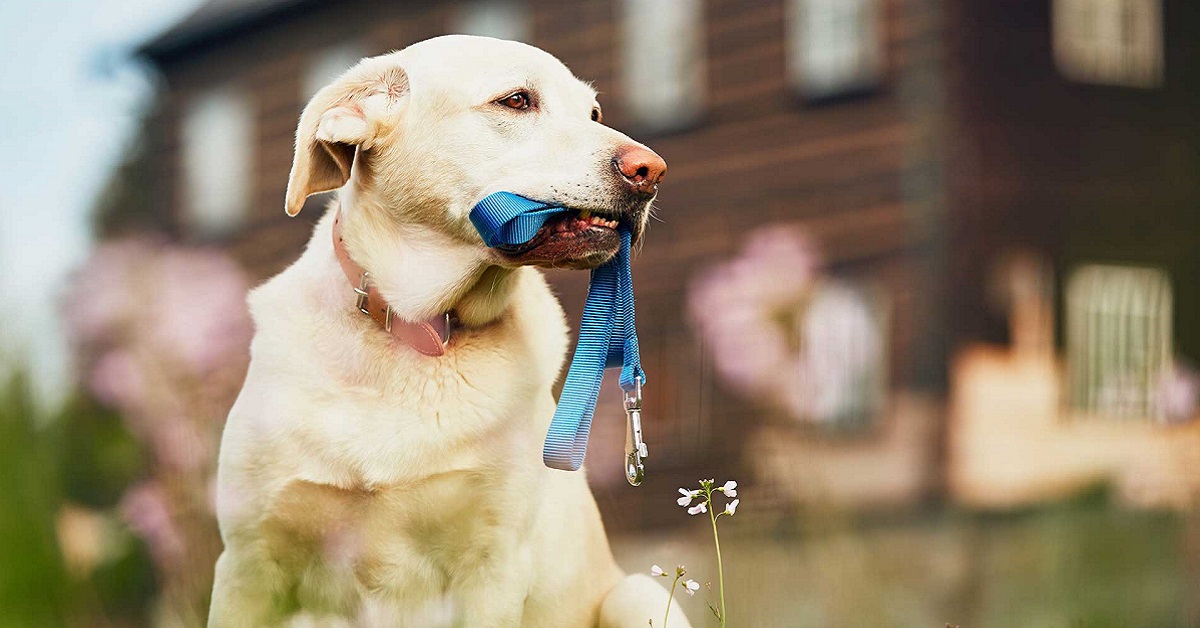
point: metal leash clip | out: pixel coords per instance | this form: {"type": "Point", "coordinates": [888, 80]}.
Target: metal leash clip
{"type": "Point", "coordinates": [635, 449]}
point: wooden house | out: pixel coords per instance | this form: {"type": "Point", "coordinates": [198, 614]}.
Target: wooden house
{"type": "Point", "coordinates": [915, 143]}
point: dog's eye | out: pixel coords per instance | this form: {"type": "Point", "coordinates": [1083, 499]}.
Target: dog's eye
{"type": "Point", "coordinates": [516, 100]}
{"type": "Point", "coordinates": [597, 115]}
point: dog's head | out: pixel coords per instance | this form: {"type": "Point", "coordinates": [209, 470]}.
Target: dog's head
{"type": "Point", "coordinates": [428, 131]}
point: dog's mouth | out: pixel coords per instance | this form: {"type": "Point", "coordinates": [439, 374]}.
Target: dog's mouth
{"type": "Point", "coordinates": [578, 239]}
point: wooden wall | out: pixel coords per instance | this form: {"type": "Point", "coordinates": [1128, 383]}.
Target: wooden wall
{"type": "Point", "coordinates": [1079, 172]}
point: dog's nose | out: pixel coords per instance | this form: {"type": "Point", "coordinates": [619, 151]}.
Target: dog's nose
{"type": "Point", "coordinates": [641, 167]}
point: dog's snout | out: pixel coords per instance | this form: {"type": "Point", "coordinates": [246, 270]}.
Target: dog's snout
{"type": "Point", "coordinates": [641, 168]}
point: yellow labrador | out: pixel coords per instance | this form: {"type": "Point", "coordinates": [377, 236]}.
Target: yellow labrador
{"type": "Point", "coordinates": [366, 480]}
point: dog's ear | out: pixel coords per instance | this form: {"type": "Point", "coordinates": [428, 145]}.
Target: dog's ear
{"type": "Point", "coordinates": [354, 111]}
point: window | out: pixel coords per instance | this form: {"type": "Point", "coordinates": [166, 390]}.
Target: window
{"type": "Point", "coordinates": [1114, 42]}
{"type": "Point", "coordinates": [327, 65]}
{"type": "Point", "coordinates": [834, 46]}
{"type": "Point", "coordinates": [662, 65]}
{"type": "Point", "coordinates": [216, 158]}
{"type": "Point", "coordinates": [1118, 339]}
{"type": "Point", "coordinates": [502, 19]}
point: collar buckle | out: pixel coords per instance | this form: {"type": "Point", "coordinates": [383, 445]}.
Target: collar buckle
{"type": "Point", "coordinates": [364, 282]}
{"type": "Point", "coordinates": [422, 336]}
{"type": "Point", "coordinates": [363, 297]}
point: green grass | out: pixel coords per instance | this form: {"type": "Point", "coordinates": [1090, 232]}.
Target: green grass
{"type": "Point", "coordinates": [1082, 564]}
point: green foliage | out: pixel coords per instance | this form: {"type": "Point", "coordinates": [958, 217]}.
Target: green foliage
{"type": "Point", "coordinates": [98, 456]}
{"type": "Point", "coordinates": [34, 588]}
{"type": "Point", "coordinates": [81, 455]}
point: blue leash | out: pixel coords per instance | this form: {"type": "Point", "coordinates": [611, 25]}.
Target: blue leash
{"type": "Point", "coordinates": [607, 335]}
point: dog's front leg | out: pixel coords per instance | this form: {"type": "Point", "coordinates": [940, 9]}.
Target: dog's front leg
{"type": "Point", "coordinates": [496, 597]}
{"type": "Point", "coordinates": [246, 592]}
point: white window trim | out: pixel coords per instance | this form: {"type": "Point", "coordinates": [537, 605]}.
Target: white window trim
{"type": "Point", "coordinates": [502, 19]}
{"type": "Point", "coordinates": [1088, 42]}
{"type": "Point", "coordinates": [217, 159]}
{"type": "Point", "coordinates": [862, 65]}
{"type": "Point", "coordinates": [663, 84]}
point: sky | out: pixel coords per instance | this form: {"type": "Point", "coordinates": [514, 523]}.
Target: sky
{"type": "Point", "coordinates": [70, 99]}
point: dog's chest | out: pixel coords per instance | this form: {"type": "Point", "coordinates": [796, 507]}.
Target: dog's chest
{"type": "Point", "coordinates": [412, 542]}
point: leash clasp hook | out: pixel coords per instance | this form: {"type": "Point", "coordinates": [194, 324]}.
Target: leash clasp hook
{"type": "Point", "coordinates": [635, 448]}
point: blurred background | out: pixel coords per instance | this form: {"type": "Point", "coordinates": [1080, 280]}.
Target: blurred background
{"type": "Point", "coordinates": [926, 284]}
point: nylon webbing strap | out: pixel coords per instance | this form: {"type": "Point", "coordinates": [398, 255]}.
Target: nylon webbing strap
{"type": "Point", "coordinates": [607, 333]}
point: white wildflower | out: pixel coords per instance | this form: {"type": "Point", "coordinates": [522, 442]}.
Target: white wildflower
{"type": "Point", "coordinates": [731, 507]}
{"type": "Point", "coordinates": [698, 508]}
{"type": "Point", "coordinates": [691, 586]}
{"type": "Point", "coordinates": [730, 489]}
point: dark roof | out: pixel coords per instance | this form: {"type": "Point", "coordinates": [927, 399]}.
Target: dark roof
{"type": "Point", "coordinates": [211, 20]}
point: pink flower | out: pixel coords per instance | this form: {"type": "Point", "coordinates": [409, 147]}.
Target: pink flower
{"type": "Point", "coordinates": [100, 294]}
{"type": "Point", "coordinates": [734, 305]}
{"type": "Point", "coordinates": [117, 380]}
{"type": "Point", "coordinates": [148, 514]}
{"type": "Point", "coordinates": [161, 335]}
{"type": "Point", "coordinates": [780, 333]}
{"type": "Point", "coordinates": [199, 313]}
{"type": "Point", "coordinates": [1179, 393]}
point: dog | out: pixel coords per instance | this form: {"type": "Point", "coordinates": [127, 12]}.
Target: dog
{"type": "Point", "coordinates": [368, 481]}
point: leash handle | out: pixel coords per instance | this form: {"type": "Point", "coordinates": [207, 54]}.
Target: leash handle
{"type": "Point", "coordinates": [607, 336]}
{"type": "Point", "coordinates": [505, 218]}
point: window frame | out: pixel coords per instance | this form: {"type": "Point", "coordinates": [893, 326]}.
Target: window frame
{"type": "Point", "coordinates": [871, 72]}
{"type": "Point", "coordinates": [1091, 58]}
{"type": "Point", "coordinates": [1086, 319]}
{"type": "Point", "coordinates": [206, 180]}
{"type": "Point", "coordinates": [687, 108]}
{"type": "Point", "coordinates": [470, 18]}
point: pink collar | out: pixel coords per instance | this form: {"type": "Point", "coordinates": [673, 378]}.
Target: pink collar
{"type": "Point", "coordinates": [429, 337]}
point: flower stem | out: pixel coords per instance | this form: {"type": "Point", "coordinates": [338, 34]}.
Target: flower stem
{"type": "Point", "coordinates": [671, 597]}
{"type": "Point", "coordinates": [717, 541]}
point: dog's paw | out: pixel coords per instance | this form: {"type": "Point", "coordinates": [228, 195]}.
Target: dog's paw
{"type": "Point", "coordinates": [636, 600]}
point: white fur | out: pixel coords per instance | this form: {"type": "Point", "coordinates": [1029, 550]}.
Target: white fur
{"type": "Point", "coordinates": [364, 484]}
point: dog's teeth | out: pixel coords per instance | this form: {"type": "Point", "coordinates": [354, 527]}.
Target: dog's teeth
{"type": "Point", "coordinates": [585, 214]}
